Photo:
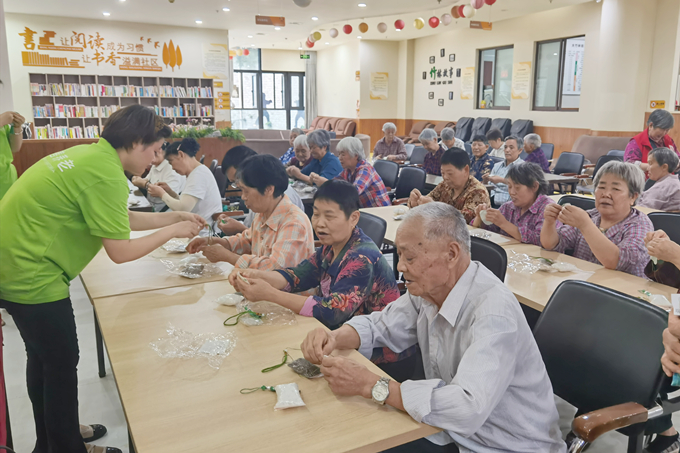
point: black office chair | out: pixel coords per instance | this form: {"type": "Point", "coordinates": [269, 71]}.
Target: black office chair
{"type": "Point", "coordinates": [583, 203]}
{"type": "Point", "coordinates": [496, 159]}
{"type": "Point", "coordinates": [373, 226]}
{"type": "Point", "coordinates": [410, 178]}
{"type": "Point", "coordinates": [617, 153]}
{"type": "Point", "coordinates": [213, 166]}
{"type": "Point", "coordinates": [388, 172]}
{"type": "Point", "coordinates": [600, 162]}
{"type": "Point", "coordinates": [502, 124]}
{"type": "Point", "coordinates": [468, 148]}
{"type": "Point", "coordinates": [202, 158]}
{"type": "Point", "coordinates": [221, 180]}
{"type": "Point", "coordinates": [480, 126]}
{"type": "Point", "coordinates": [669, 222]}
{"type": "Point", "coordinates": [602, 348]}
{"type": "Point", "coordinates": [548, 150]}
{"type": "Point", "coordinates": [569, 164]}
{"type": "Point", "coordinates": [464, 128]}
{"type": "Point", "coordinates": [417, 156]}
{"type": "Point", "coordinates": [491, 255]}
{"type": "Point", "coordinates": [521, 128]}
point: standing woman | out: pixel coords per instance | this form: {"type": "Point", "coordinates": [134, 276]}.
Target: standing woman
{"type": "Point", "coordinates": [201, 194]}
{"type": "Point", "coordinates": [55, 219]}
{"type": "Point", "coordinates": [655, 136]}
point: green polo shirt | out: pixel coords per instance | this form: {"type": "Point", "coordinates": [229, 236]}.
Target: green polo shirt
{"type": "Point", "coordinates": [8, 174]}
{"type": "Point", "coordinates": [54, 218]}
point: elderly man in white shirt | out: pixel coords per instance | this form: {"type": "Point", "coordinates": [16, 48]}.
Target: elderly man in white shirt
{"type": "Point", "coordinates": [486, 385]}
{"type": "Point", "coordinates": [161, 172]}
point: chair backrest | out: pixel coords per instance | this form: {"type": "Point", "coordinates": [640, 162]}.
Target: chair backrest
{"type": "Point", "coordinates": [202, 158]}
{"type": "Point", "coordinates": [491, 255]}
{"type": "Point", "coordinates": [315, 123]}
{"type": "Point", "coordinates": [594, 146]}
{"type": "Point", "coordinates": [480, 126]}
{"type": "Point", "coordinates": [409, 149]}
{"type": "Point", "coordinates": [548, 150]}
{"type": "Point", "coordinates": [345, 127]}
{"type": "Point", "coordinates": [213, 165]}
{"type": "Point", "coordinates": [323, 122]}
{"type": "Point", "coordinates": [617, 153]}
{"type": "Point", "coordinates": [581, 202]}
{"type": "Point", "coordinates": [464, 128]}
{"type": "Point", "coordinates": [410, 178]}
{"type": "Point", "coordinates": [521, 128]}
{"type": "Point", "coordinates": [603, 160]}
{"type": "Point", "coordinates": [441, 125]}
{"type": "Point", "coordinates": [667, 221]}
{"type": "Point", "coordinates": [601, 347]}
{"type": "Point", "coordinates": [569, 163]}
{"type": "Point", "coordinates": [373, 226]}
{"type": "Point", "coordinates": [332, 122]}
{"type": "Point", "coordinates": [502, 124]}
{"type": "Point", "coordinates": [388, 172]}
{"type": "Point", "coordinates": [468, 148]}
{"type": "Point", "coordinates": [221, 180]}
{"type": "Point", "coordinates": [418, 127]}
{"type": "Point", "coordinates": [418, 155]}
{"type": "Point", "coordinates": [523, 155]}
{"type": "Point", "coordinates": [496, 159]}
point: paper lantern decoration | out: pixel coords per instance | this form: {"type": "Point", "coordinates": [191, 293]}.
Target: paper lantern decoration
{"type": "Point", "coordinates": [489, 2]}
{"type": "Point", "coordinates": [310, 38]}
{"type": "Point", "coordinates": [302, 3]}
{"type": "Point", "coordinates": [461, 11]}
{"type": "Point", "coordinates": [446, 19]}
{"type": "Point", "coordinates": [419, 23]}
{"type": "Point", "coordinates": [317, 35]}
{"type": "Point", "coordinates": [382, 27]}
{"type": "Point", "coordinates": [363, 27]}
{"type": "Point", "coordinates": [434, 22]}
{"type": "Point", "coordinates": [399, 24]}
{"type": "Point", "coordinates": [333, 32]}
{"type": "Point", "coordinates": [347, 29]}
{"type": "Point", "coordinates": [246, 52]}
{"type": "Point", "coordinates": [309, 44]}
{"type": "Point", "coordinates": [469, 11]}
{"type": "Point", "coordinates": [476, 4]}
{"type": "Point", "coordinates": [239, 52]}
{"type": "Point", "coordinates": [455, 13]}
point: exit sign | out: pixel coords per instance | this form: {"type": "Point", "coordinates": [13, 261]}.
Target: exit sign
{"type": "Point", "coordinates": [304, 57]}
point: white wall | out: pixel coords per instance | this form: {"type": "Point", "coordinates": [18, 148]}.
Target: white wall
{"type": "Point", "coordinates": [337, 90]}
{"type": "Point", "coordinates": [405, 81]}
{"type": "Point", "coordinates": [6, 102]}
{"type": "Point", "coordinates": [282, 60]}
{"type": "Point", "coordinates": [379, 56]}
{"type": "Point", "coordinates": [663, 79]}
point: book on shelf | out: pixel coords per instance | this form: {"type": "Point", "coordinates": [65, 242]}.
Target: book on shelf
{"type": "Point", "coordinates": [127, 90]}
{"type": "Point", "coordinates": [43, 111]}
{"type": "Point", "coordinates": [57, 89]}
{"type": "Point", "coordinates": [190, 109]}
{"type": "Point", "coordinates": [151, 91]}
{"type": "Point", "coordinates": [40, 89]}
{"type": "Point", "coordinates": [206, 110]}
{"type": "Point", "coordinates": [106, 110]}
{"type": "Point", "coordinates": [52, 132]}
{"type": "Point", "coordinates": [106, 90]}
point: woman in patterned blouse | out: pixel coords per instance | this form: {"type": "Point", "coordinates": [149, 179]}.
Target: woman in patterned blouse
{"type": "Point", "coordinates": [459, 188]}
{"type": "Point", "coordinates": [522, 216]}
{"type": "Point", "coordinates": [613, 233]}
{"type": "Point", "coordinates": [351, 275]}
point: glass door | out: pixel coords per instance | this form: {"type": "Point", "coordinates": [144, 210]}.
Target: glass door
{"type": "Point", "coordinates": [274, 100]}
{"type": "Point", "coordinates": [245, 112]}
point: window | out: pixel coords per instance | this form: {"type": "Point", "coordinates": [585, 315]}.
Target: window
{"type": "Point", "coordinates": [495, 78]}
{"type": "Point", "coordinates": [559, 68]}
{"type": "Point", "coordinates": [266, 100]}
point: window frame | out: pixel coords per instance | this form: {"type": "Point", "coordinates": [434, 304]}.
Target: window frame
{"type": "Point", "coordinates": [479, 76]}
{"type": "Point", "coordinates": [560, 77]}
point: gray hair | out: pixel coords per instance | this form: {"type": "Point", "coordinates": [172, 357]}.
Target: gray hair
{"type": "Point", "coordinates": [297, 130]}
{"type": "Point", "coordinates": [533, 139]}
{"type": "Point", "coordinates": [389, 127]}
{"type": "Point", "coordinates": [300, 141]}
{"type": "Point", "coordinates": [665, 156]}
{"type": "Point", "coordinates": [448, 134]}
{"type": "Point", "coordinates": [519, 140]}
{"type": "Point", "coordinates": [662, 119]}
{"type": "Point", "coordinates": [630, 173]}
{"type": "Point", "coordinates": [427, 135]}
{"type": "Point", "coordinates": [441, 221]}
{"type": "Point", "coordinates": [320, 138]}
{"type": "Point", "coordinates": [352, 146]}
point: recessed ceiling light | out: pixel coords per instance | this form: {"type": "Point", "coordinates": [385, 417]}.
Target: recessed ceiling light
{"type": "Point", "coordinates": [327, 43]}
{"type": "Point", "coordinates": [198, 21]}
{"type": "Point", "coordinates": [315, 18]}
{"type": "Point", "coordinates": [277, 28]}
{"type": "Point", "coordinates": [106, 13]}
{"type": "Point", "coordinates": [250, 36]}
{"type": "Point", "coordinates": [299, 48]}
{"type": "Point", "coordinates": [554, 54]}
{"type": "Point", "coordinates": [398, 29]}
{"type": "Point", "coordinates": [362, 5]}
{"type": "Point", "coordinates": [122, 0]}
{"type": "Point", "coordinates": [358, 37]}
{"type": "Point", "coordinates": [225, 9]}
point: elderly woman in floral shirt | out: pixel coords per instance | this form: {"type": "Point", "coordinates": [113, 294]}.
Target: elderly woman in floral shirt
{"type": "Point", "coordinates": [350, 272]}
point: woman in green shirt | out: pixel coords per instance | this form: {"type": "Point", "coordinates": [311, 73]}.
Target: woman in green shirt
{"type": "Point", "coordinates": [55, 219]}
{"type": "Point", "coordinates": [10, 143]}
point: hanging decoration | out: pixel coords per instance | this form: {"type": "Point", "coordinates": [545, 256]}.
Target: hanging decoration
{"type": "Point", "coordinates": [469, 11]}
{"type": "Point", "coordinates": [310, 38]}
{"type": "Point", "coordinates": [309, 44]}
{"type": "Point", "coordinates": [461, 11]}
{"type": "Point", "coordinates": [434, 22]}
{"type": "Point", "coordinates": [239, 52]}
{"type": "Point", "coordinates": [246, 52]}
{"type": "Point", "coordinates": [489, 2]}
{"type": "Point", "coordinates": [399, 24]}
{"type": "Point", "coordinates": [347, 29]}
{"type": "Point", "coordinates": [382, 27]}
{"type": "Point", "coordinates": [476, 4]}
{"type": "Point", "coordinates": [446, 19]}
{"type": "Point", "coordinates": [316, 35]}
{"type": "Point", "coordinates": [302, 3]}
{"type": "Point", "coordinates": [333, 32]}
{"type": "Point", "coordinates": [363, 27]}
{"type": "Point", "coordinates": [419, 23]}
{"type": "Point", "coordinates": [455, 13]}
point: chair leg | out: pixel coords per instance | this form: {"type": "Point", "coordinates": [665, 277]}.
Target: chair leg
{"type": "Point", "coordinates": [635, 443]}
{"type": "Point", "coordinates": [100, 347]}
{"type": "Point", "coordinates": [131, 445]}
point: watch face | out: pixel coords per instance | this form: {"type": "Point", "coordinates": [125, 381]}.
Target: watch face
{"type": "Point", "coordinates": [380, 392]}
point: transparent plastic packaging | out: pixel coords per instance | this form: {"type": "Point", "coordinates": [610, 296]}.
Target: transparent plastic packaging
{"type": "Point", "coordinates": [525, 264]}
{"type": "Point", "coordinates": [193, 266]}
{"type": "Point", "coordinates": [186, 345]}
{"type": "Point", "coordinates": [288, 396]}
{"type": "Point", "coordinates": [175, 246]}
{"type": "Point", "coordinates": [306, 369]}
{"type": "Point", "coordinates": [268, 314]}
{"type": "Point", "coordinates": [230, 300]}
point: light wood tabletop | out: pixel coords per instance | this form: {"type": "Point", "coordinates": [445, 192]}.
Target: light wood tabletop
{"type": "Point", "coordinates": [181, 405]}
{"type": "Point", "coordinates": [556, 198]}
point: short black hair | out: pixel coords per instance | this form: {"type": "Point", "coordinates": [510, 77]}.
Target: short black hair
{"type": "Point", "coordinates": [341, 193]}
{"type": "Point", "coordinates": [480, 138]}
{"type": "Point", "coordinates": [457, 157]}
{"type": "Point", "coordinates": [261, 171]}
{"type": "Point", "coordinates": [235, 157]}
{"type": "Point", "coordinates": [528, 174]}
{"type": "Point", "coordinates": [188, 146]}
{"type": "Point", "coordinates": [494, 134]}
{"type": "Point", "coordinates": [134, 124]}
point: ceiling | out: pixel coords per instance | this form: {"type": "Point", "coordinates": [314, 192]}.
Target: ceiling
{"type": "Point", "coordinates": [240, 20]}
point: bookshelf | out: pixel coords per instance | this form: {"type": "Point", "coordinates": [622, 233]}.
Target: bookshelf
{"type": "Point", "coordinates": [76, 106]}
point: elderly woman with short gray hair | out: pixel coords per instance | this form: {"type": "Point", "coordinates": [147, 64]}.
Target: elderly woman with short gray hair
{"type": "Point", "coordinates": [532, 146]}
{"type": "Point", "coordinates": [390, 147]}
{"type": "Point", "coordinates": [665, 193]}
{"type": "Point", "coordinates": [288, 155]}
{"type": "Point", "coordinates": [655, 136]}
{"type": "Point", "coordinates": [356, 171]}
{"type": "Point", "coordinates": [433, 158]}
{"type": "Point", "coordinates": [449, 139]}
{"type": "Point", "coordinates": [612, 234]}
{"type": "Point", "coordinates": [324, 163]}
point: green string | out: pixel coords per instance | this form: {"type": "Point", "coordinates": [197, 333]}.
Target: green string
{"type": "Point", "coordinates": [283, 362]}
{"type": "Point", "coordinates": [255, 389]}
{"type": "Point", "coordinates": [239, 315]}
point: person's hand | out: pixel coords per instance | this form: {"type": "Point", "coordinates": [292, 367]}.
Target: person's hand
{"type": "Point", "coordinates": [486, 178]}
{"type": "Point", "coordinates": [293, 172]}
{"type": "Point", "coordinates": [6, 118]}
{"type": "Point", "coordinates": [671, 344]}
{"type": "Point", "coordinates": [480, 207]}
{"type": "Point", "coordinates": [552, 212]}
{"type": "Point", "coordinates": [197, 245]}
{"type": "Point", "coordinates": [138, 182]}
{"type": "Point", "coordinates": [227, 224]}
{"type": "Point", "coordinates": [164, 186]}
{"type": "Point", "coordinates": [425, 200]}
{"type": "Point", "coordinates": [318, 343]}
{"type": "Point", "coordinates": [215, 253]}
{"type": "Point", "coordinates": [494, 216]}
{"type": "Point", "coordinates": [191, 217]}
{"type": "Point", "coordinates": [574, 216]}
{"type": "Point", "coordinates": [155, 190]}
{"type": "Point", "coordinates": [255, 290]}
{"type": "Point", "coordinates": [664, 249]}
{"type": "Point", "coordinates": [345, 377]}
{"type": "Point", "coordinates": [186, 229]}
{"type": "Point", "coordinates": [658, 234]}
{"type": "Point", "coordinates": [414, 198]}
{"type": "Point", "coordinates": [247, 273]}
{"type": "Point", "coordinates": [17, 121]}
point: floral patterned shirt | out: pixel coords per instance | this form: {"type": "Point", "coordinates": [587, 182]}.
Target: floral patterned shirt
{"type": "Point", "coordinates": [481, 166]}
{"type": "Point", "coordinates": [358, 282]}
{"type": "Point", "coordinates": [287, 156]}
{"type": "Point", "coordinates": [472, 195]}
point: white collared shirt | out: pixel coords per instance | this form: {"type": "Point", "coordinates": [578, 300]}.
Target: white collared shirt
{"type": "Point", "coordinates": [486, 385]}
{"type": "Point", "coordinates": [164, 173]}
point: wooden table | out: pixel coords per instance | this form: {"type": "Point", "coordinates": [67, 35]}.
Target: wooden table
{"type": "Point", "coordinates": [432, 181]}
{"type": "Point", "coordinates": [556, 198]}
{"type": "Point", "coordinates": [182, 405]}
{"type": "Point", "coordinates": [306, 193]}
{"type": "Point", "coordinates": [559, 179]}
{"type": "Point", "coordinates": [137, 202]}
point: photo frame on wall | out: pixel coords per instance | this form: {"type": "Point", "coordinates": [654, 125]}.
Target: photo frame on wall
{"type": "Point", "coordinates": [430, 95]}
{"type": "Point", "coordinates": [424, 75]}
{"type": "Point", "coordinates": [432, 59]}
{"type": "Point", "coordinates": [450, 95]}
{"type": "Point", "coordinates": [442, 53]}
{"type": "Point", "coordinates": [440, 103]}
{"type": "Point", "coordinates": [452, 57]}
{"type": "Point", "coordinates": [458, 72]}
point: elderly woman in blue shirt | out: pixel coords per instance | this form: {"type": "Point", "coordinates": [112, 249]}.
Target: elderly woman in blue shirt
{"type": "Point", "coordinates": [324, 163]}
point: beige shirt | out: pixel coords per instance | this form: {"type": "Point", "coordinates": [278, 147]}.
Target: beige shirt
{"type": "Point", "coordinates": [500, 152]}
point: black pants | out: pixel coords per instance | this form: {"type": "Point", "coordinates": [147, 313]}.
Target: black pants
{"type": "Point", "coordinates": [423, 446]}
{"type": "Point", "coordinates": [49, 332]}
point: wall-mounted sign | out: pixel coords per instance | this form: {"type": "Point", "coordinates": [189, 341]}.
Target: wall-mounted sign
{"type": "Point", "coordinates": [521, 80]}
{"type": "Point", "coordinates": [450, 95]}
{"type": "Point", "coordinates": [378, 86]}
{"type": "Point", "coordinates": [357, 76]}
{"type": "Point", "coordinates": [467, 83]}
{"type": "Point", "coordinates": [432, 59]}
{"type": "Point", "coordinates": [430, 95]}
{"type": "Point", "coordinates": [657, 104]}
{"type": "Point", "coordinates": [480, 25]}
{"type": "Point", "coordinates": [452, 57]}
{"type": "Point", "coordinates": [442, 53]}
{"type": "Point", "coordinates": [440, 102]}
{"type": "Point", "coordinates": [305, 57]}
{"type": "Point", "coordinates": [215, 61]}
{"type": "Point", "coordinates": [270, 20]}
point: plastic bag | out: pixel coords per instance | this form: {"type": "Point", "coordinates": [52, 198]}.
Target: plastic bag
{"type": "Point", "coordinates": [306, 369]}
{"type": "Point", "coordinates": [525, 264]}
{"type": "Point", "coordinates": [287, 396]}
{"type": "Point", "coordinates": [182, 344]}
{"type": "Point", "coordinates": [175, 246]}
{"type": "Point", "coordinates": [270, 313]}
{"type": "Point", "coordinates": [230, 300]}
{"type": "Point", "coordinates": [193, 266]}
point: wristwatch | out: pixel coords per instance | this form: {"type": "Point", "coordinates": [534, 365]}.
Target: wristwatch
{"type": "Point", "coordinates": [381, 390]}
